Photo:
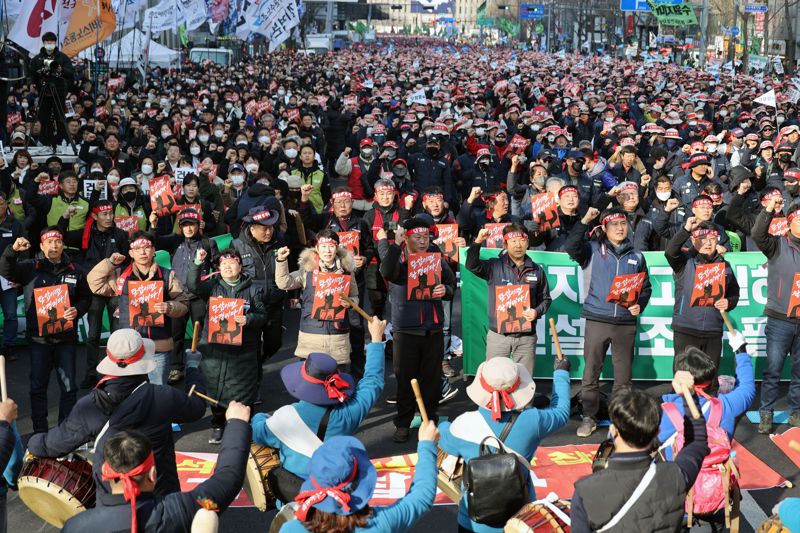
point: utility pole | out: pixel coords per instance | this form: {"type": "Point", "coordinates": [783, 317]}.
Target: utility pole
{"type": "Point", "coordinates": [329, 17]}
{"type": "Point", "coordinates": [703, 34]}
{"type": "Point", "coordinates": [732, 41]}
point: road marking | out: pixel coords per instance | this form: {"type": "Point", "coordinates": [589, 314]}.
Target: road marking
{"type": "Point", "coordinates": [751, 511]}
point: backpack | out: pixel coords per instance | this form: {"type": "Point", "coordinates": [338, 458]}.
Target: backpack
{"type": "Point", "coordinates": [496, 482]}
{"type": "Point", "coordinates": [717, 484]}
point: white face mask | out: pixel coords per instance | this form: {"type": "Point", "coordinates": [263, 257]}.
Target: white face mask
{"type": "Point", "coordinates": [182, 101]}
{"type": "Point", "coordinates": [723, 112]}
{"type": "Point", "coordinates": [664, 196]}
{"type": "Point", "coordinates": [147, 169]}
{"type": "Point", "coordinates": [251, 167]}
{"type": "Point", "coordinates": [218, 134]}
{"type": "Point", "coordinates": [237, 179]}
{"type": "Point", "coordinates": [263, 140]}
{"type": "Point", "coordinates": [49, 47]}
{"type": "Point", "coordinates": [24, 105]}
{"type": "Point", "coordinates": [711, 148]}
{"type": "Point", "coordinates": [194, 150]}
{"type": "Point", "coordinates": [165, 134]}
{"type": "Point", "coordinates": [228, 105]}
{"type": "Point", "coordinates": [206, 101]}
{"type": "Point", "coordinates": [480, 132]}
{"type": "Point", "coordinates": [202, 138]}
{"type": "Point", "coordinates": [291, 153]}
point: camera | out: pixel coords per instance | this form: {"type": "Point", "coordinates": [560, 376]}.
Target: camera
{"type": "Point", "coordinates": [50, 67]}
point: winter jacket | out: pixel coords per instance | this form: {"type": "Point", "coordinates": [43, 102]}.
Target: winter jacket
{"type": "Point", "coordinates": [229, 368]}
{"type": "Point", "coordinates": [599, 496]}
{"type": "Point", "coordinates": [183, 252]}
{"type": "Point", "coordinates": [604, 262]}
{"type": "Point", "coordinates": [41, 272]}
{"type": "Point", "coordinates": [501, 270]}
{"type": "Point", "coordinates": [258, 262]}
{"type": "Point", "coordinates": [783, 261]}
{"type": "Point", "coordinates": [173, 512]}
{"type": "Point", "coordinates": [696, 320]}
{"type": "Point", "coordinates": [129, 402]}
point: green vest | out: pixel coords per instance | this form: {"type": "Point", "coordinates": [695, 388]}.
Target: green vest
{"type": "Point", "coordinates": [122, 211]}
{"type": "Point", "coordinates": [59, 206]}
{"type": "Point", "coordinates": [317, 178]}
{"type": "Point", "coordinates": [16, 205]}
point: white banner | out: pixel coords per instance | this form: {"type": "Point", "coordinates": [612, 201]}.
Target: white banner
{"type": "Point", "coordinates": [192, 13]}
{"type": "Point", "coordinates": [126, 12]}
{"type": "Point", "coordinates": [417, 98]}
{"type": "Point", "coordinates": [275, 19]}
{"type": "Point", "coordinates": [767, 98]}
{"type": "Point", "coordinates": [89, 186]}
{"type": "Point", "coordinates": [35, 19]}
{"type": "Point", "coordinates": [162, 17]}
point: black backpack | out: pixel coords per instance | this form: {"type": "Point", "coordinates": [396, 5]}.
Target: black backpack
{"type": "Point", "coordinates": [496, 482]}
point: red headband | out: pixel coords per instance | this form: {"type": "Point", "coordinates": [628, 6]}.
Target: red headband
{"type": "Point", "coordinates": [228, 256]}
{"type": "Point", "coordinates": [702, 202]}
{"type": "Point", "coordinates": [611, 217]}
{"type": "Point", "coordinates": [382, 188]}
{"type": "Point", "coordinates": [53, 234]}
{"type": "Point", "coordinates": [568, 188]}
{"type": "Point", "coordinates": [421, 230]}
{"type": "Point", "coordinates": [309, 498]}
{"type": "Point", "coordinates": [130, 488]}
{"type": "Point", "coordinates": [700, 233]}
{"type": "Point", "coordinates": [792, 216]}
{"type": "Point", "coordinates": [141, 242]}
{"type": "Point", "coordinates": [347, 195]}
{"type": "Point", "coordinates": [497, 396]}
{"type": "Point", "coordinates": [102, 208]}
{"type": "Point", "coordinates": [122, 363]}
{"type": "Point", "coordinates": [514, 235]}
{"type": "Point", "coordinates": [433, 197]}
{"type": "Point", "coordinates": [334, 384]}
{"type": "Point", "coordinates": [327, 240]}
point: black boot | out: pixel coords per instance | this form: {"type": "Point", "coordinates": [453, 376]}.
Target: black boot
{"type": "Point", "coordinates": [9, 350]}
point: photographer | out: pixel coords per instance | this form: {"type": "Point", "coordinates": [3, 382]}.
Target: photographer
{"type": "Point", "coordinates": [51, 69]}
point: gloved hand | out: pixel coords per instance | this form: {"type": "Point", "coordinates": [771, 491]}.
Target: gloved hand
{"type": "Point", "coordinates": [193, 359]}
{"type": "Point", "coordinates": [561, 364]}
{"type": "Point", "coordinates": [532, 226]}
{"type": "Point", "coordinates": [736, 341]}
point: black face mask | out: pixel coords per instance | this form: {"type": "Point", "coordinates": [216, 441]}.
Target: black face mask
{"type": "Point", "coordinates": [499, 142]}
{"type": "Point", "coordinates": [577, 166]}
{"type": "Point", "coordinates": [785, 158]}
{"type": "Point", "coordinates": [129, 196]}
{"type": "Point", "coordinates": [433, 150]}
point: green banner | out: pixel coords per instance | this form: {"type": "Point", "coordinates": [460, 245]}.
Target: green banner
{"type": "Point", "coordinates": [654, 351]}
{"type": "Point", "coordinates": [669, 14]}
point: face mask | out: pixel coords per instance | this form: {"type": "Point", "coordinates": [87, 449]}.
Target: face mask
{"type": "Point", "coordinates": [785, 158]}
{"type": "Point", "coordinates": [49, 47]}
{"type": "Point", "coordinates": [237, 179]}
{"type": "Point", "coordinates": [129, 196]}
{"type": "Point", "coordinates": [202, 138]}
{"type": "Point", "coordinates": [400, 172]}
{"type": "Point", "coordinates": [420, 116]}
{"type": "Point", "coordinates": [366, 153]}
{"type": "Point", "coordinates": [213, 88]}
{"type": "Point", "coordinates": [711, 148]}
{"type": "Point", "coordinates": [404, 134]}
{"type": "Point", "coordinates": [281, 92]}
{"type": "Point", "coordinates": [263, 140]}
{"type": "Point", "coordinates": [251, 167]}
{"type": "Point", "coordinates": [664, 196]}
{"type": "Point", "coordinates": [291, 153]}
{"type": "Point", "coordinates": [577, 166]}
{"type": "Point", "coordinates": [218, 134]}
{"type": "Point", "coordinates": [480, 132]}
{"type": "Point", "coordinates": [539, 182]}
{"type": "Point", "coordinates": [483, 163]}
{"type": "Point", "coordinates": [206, 101]}
{"type": "Point", "coordinates": [147, 169]}
{"type": "Point", "coordinates": [551, 139]}
{"type": "Point", "coordinates": [24, 105]}
{"type": "Point", "coordinates": [433, 150]}
{"type": "Point", "coordinates": [723, 113]}
{"type": "Point", "coordinates": [692, 122]}
{"type": "Point", "coordinates": [182, 101]}
{"type": "Point", "coordinates": [194, 150]}
{"type": "Point", "coordinates": [780, 119]}
{"type": "Point", "coordinates": [165, 134]}
{"type": "Point", "coordinates": [391, 154]}
{"type": "Point", "coordinates": [499, 142]}
{"type": "Point", "coordinates": [228, 106]}
{"type": "Point", "coordinates": [536, 127]}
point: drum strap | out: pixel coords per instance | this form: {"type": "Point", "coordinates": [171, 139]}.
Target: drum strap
{"type": "Point", "coordinates": [287, 424]}
{"type": "Point", "coordinates": [323, 424]}
{"type": "Point", "coordinates": [637, 493]}
{"type": "Point", "coordinates": [549, 502]}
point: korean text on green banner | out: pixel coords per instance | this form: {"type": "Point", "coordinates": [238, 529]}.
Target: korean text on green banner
{"type": "Point", "coordinates": [673, 14]}
{"type": "Point", "coordinates": [653, 349]}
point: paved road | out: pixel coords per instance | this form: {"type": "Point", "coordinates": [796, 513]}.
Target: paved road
{"type": "Point", "coordinates": [376, 433]}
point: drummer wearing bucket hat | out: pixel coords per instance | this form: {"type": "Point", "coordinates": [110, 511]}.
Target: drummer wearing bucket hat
{"type": "Point", "coordinates": [342, 480]}
{"type": "Point", "coordinates": [503, 391]}
{"type": "Point", "coordinates": [329, 404]}
{"type": "Point", "coordinates": [135, 505]}
{"type": "Point", "coordinates": [125, 399]}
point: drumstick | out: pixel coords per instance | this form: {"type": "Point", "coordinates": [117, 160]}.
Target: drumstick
{"type": "Point", "coordinates": [687, 398]}
{"type": "Point", "coordinates": [195, 335]}
{"type": "Point", "coordinates": [555, 339]}
{"type": "Point", "coordinates": [3, 387]}
{"type": "Point", "coordinates": [727, 320]}
{"type": "Point", "coordinates": [209, 399]}
{"type": "Point", "coordinates": [418, 394]}
{"type": "Point", "coordinates": [355, 307]}
{"type": "Point", "coordinates": [793, 444]}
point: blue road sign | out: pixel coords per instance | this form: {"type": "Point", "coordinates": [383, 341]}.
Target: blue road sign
{"type": "Point", "coordinates": [734, 30]}
{"type": "Point", "coordinates": [531, 11]}
{"type": "Point", "coordinates": [633, 5]}
{"type": "Point", "coordinates": [755, 8]}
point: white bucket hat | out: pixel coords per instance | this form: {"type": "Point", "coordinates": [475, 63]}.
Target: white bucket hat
{"type": "Point", "coordinates": [128, 354]}
{"type": "Point", "coordinates": [501, 385]}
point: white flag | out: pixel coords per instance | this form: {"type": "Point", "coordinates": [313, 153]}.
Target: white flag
{"type": "Point", "coordinates": [160, 18]}
{"type": "Point", "coordinates": [652, 41]}
{"type": "Point", "coordinates": [35, 19]}
{"type": "Point", "coordinates": [275, 19]}
{"type": "Point", "coordinates": [143, 59]}
{"type": "Point", "coordinates": [767, 98]}
{"type": "Point", "coordinates": [417, 98]}
{"type": "Point", "coordinates": [192, 13]}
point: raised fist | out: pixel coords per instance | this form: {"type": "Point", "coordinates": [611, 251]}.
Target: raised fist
{"type": "Point", "coordinates": [590, 215]}
{"type": "Point", "coordinates": [21, 244]}
{"type": "Point", "coordinates": [201, 255]}
{"type": "Point", "coordinates": [283, 253]}
{"type": "Point", "coordinates": [117, 258]}
{"type": "Point", "coordinates": [672, 205]}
